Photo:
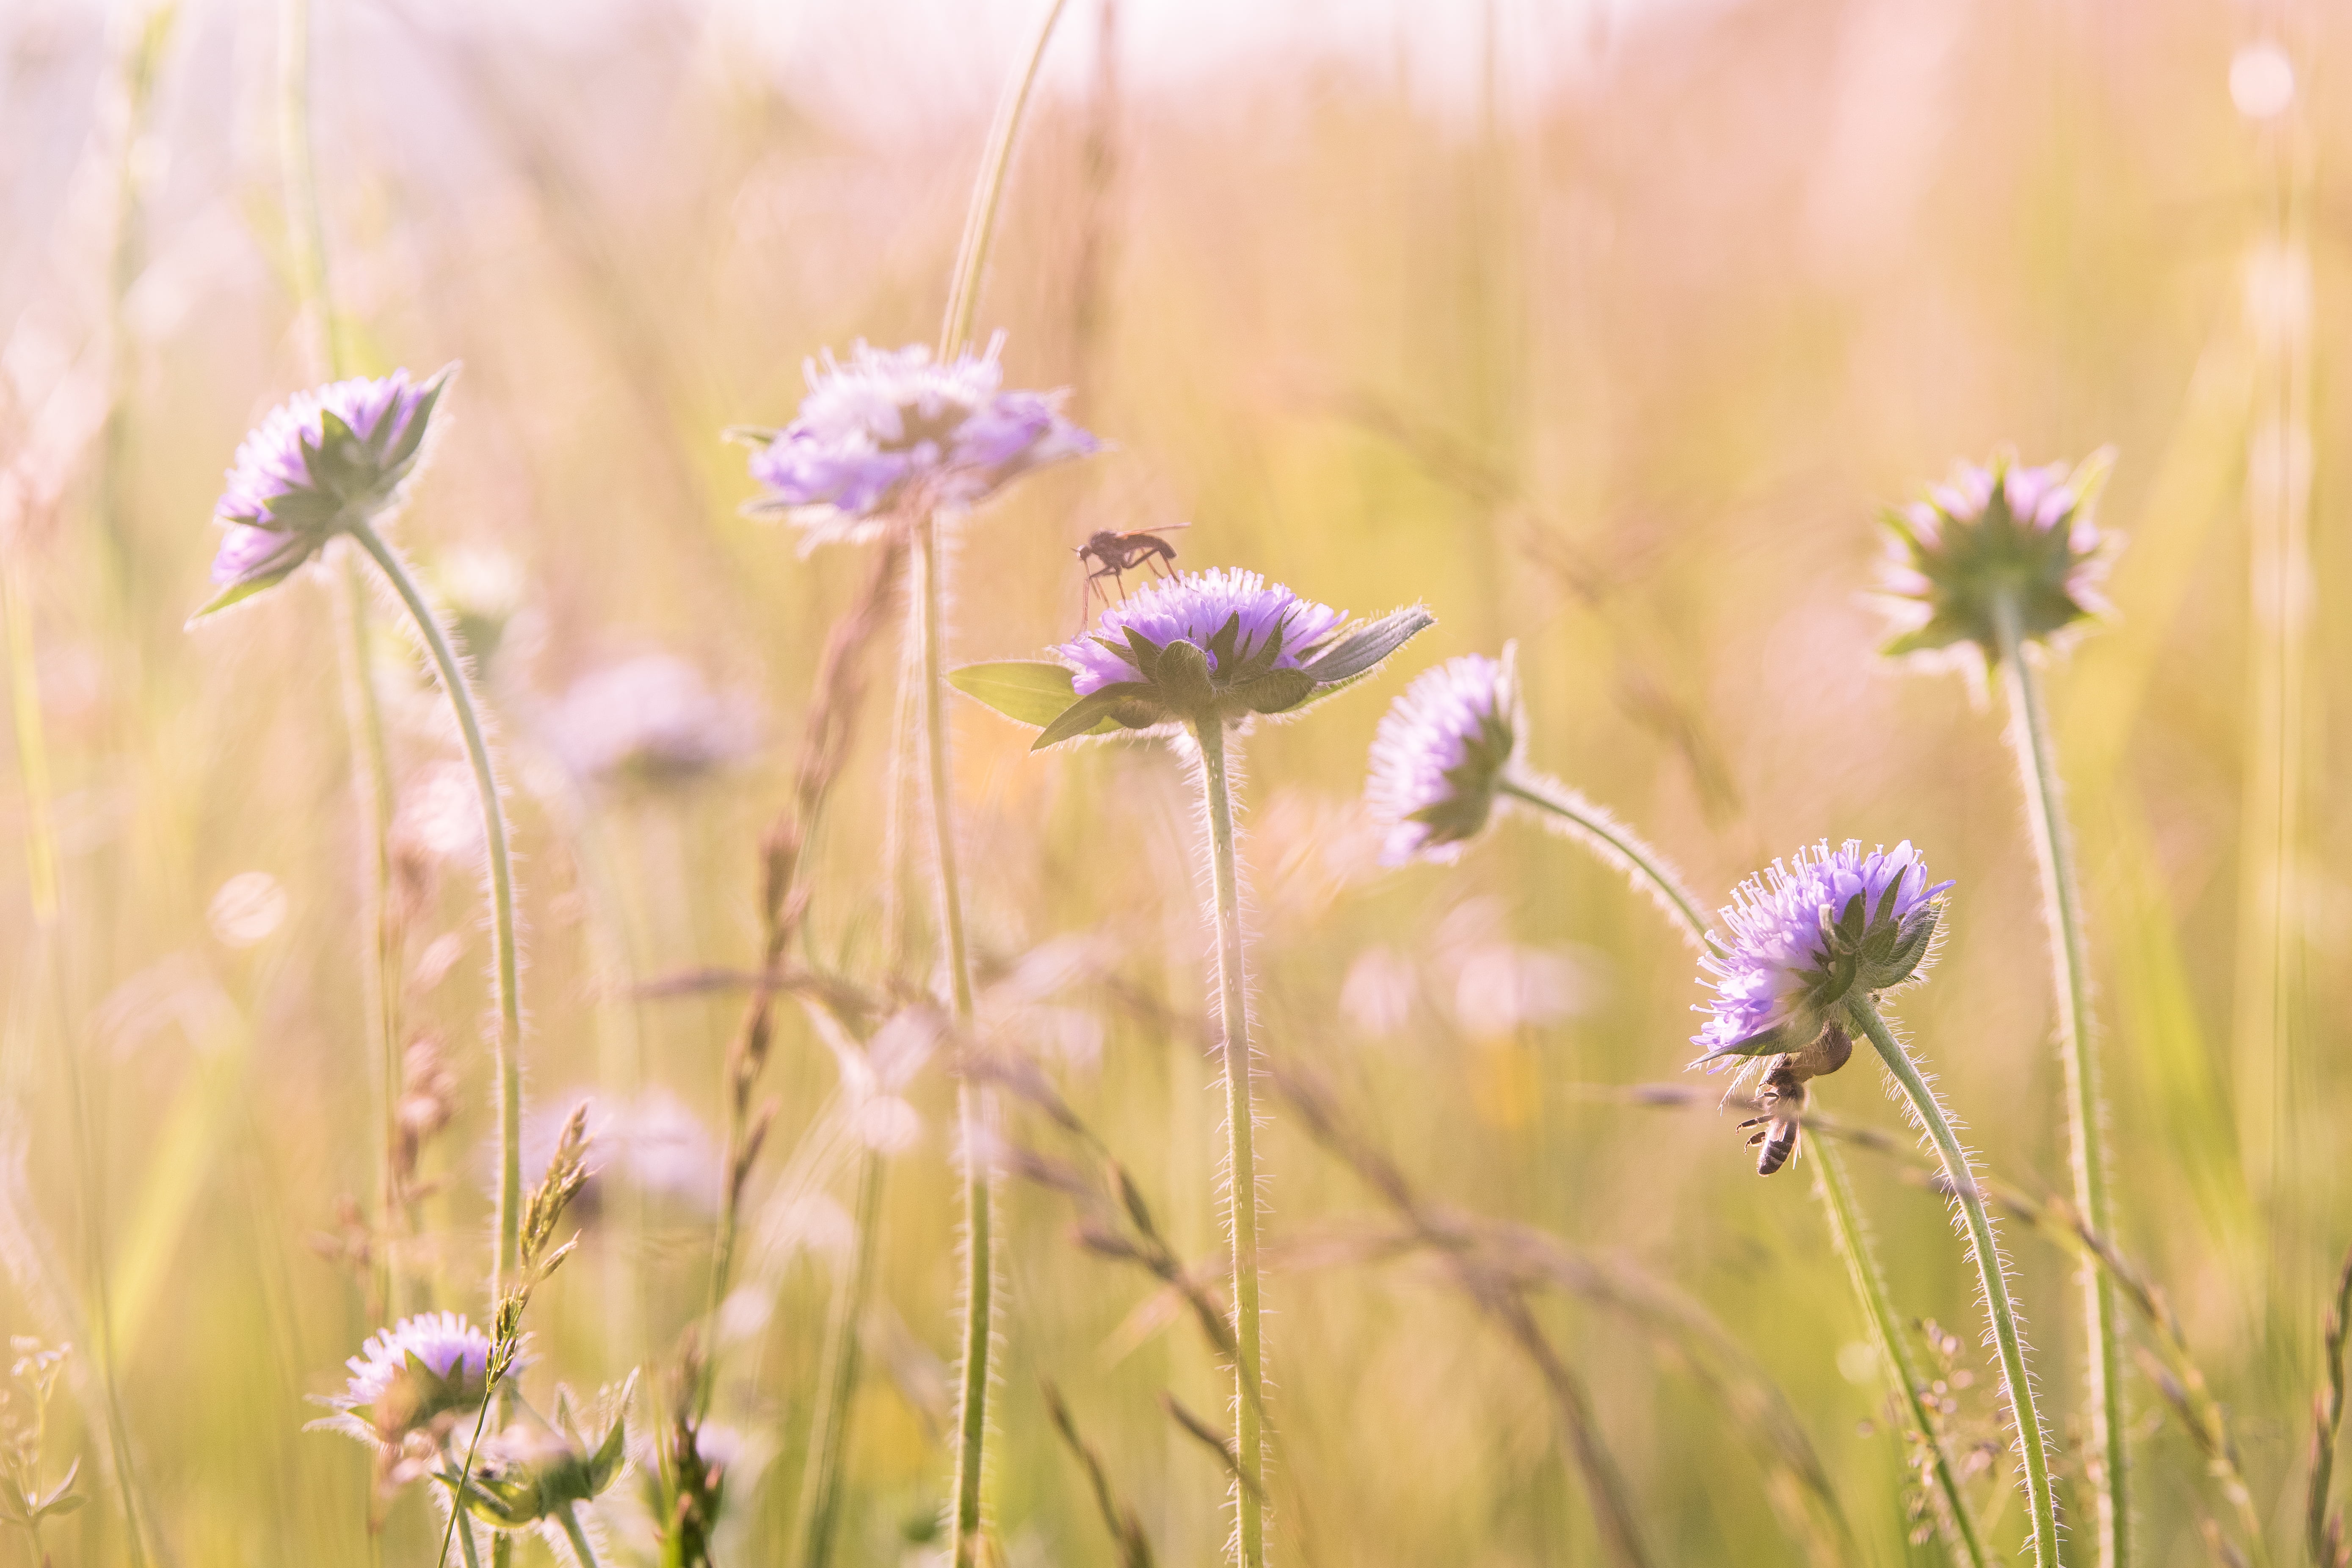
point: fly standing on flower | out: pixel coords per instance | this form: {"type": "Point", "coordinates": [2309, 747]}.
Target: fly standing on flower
{"type": "Point", "coordinates": [1780, 1098]}
{"type": "Point", "coordinates": [1114, 555]}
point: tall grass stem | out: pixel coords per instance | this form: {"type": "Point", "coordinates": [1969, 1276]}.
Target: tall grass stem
{"type": "Point", "coordinates": [955, 331]}
{"type": "Point", "coordinates": [821, 1493]}
{"type": "Point", "coordinates": [506, 964]}
{"type": "Point", "coordinates": [1862, 1266]}
{"type": "Point", "coordinates": [1233, 1004]}
{"type": "Point", "coordinates": [1991, 1273]}
{"type": "Point", "coordinates": [2037, 765]}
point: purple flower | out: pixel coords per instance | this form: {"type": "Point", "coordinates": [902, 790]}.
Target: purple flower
{"type": "Point", "coordinates": [319, 463]}
{"type": "Point", "coordinates": [1237, 620]}
{"type": "Point", "coordinates": [1440, 753]}
{"type": "Point", "coordinates": [892, 435]}
{"type": "Point", "coordinates": [1804, 937]}
{"type": "Point", "coordinates": [409, 1375]}
{"type": "Point", "coordinates": [1998, 539]}
{"type": "Point", "coordinates": [652, 718]}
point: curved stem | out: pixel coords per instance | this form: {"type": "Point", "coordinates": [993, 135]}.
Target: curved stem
{"type": "Point", "coordinates": [821, 1495]}
{"type": "Point", "coordinates": [577, 1536]}
{"type": "Point", "coordinates": [2033, 1442]}
{"type": "Point", "coordinates": [505, 1045]}
{"type": "Point", "coordinates": [2037, 765]}
{"type": "Point", "coordinates": [1862, 1268]}
{"type": "Point", "coordinates": [980, 1277]}
{"type": "Point", "coordinates": [1610, 839]}
{"type": "Point", "coordinates": [1216, 800]}
{"type": "Point", "coordinates": [988, 192]}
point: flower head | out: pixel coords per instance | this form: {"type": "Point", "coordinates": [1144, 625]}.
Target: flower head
{"type": "Point", "coordinates": [891, 433]}
{"type": "Point", "coordinates": [1806, 936]}
{"type": "Point", "coordinates": [1440, 750]}
{"type": "Point", "coordinates": [651, 719]}
{"type": "Point", "coordinates": [1210, 646]}
{"type": "Point", "coordinates": [1995, 534]}
{"type": "Point", "coordinates": [319, 462]}
{"type": "Point", "coordinates": [411, 1375]}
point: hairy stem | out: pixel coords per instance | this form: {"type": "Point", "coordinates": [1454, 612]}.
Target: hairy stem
{"type": "Point", "coordinates": [980, 1277]}
{"type": "Point", "coordinates": [821, 1493]}
{"type": "Point", "coordinates": [1216, 800]}
{"type": "Point", "coordinates": [2037, 765]}
{"type": "Point", "coordinates": [577, 1536]}
{"type": "Point", "coordinates": [362, 716]}
{"type": "Point", "coordinates": [1608, 838]}
{"type": "Point", "coordinates": [507, 1043]}
{"type": "Point", "coordinates": [1862, 1268]}
{"type": "Point", "coordinates": [2032, 1441]}
{"type": "Point", "coordinates": [955, 331]}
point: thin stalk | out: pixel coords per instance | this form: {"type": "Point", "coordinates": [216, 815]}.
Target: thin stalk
{"type": "Point", "coordinates": [1862, 1268]}
{"type": "Point", "coordinates": [2328, 1420]}
{"type": "Point", "coordinates": [1249, 1385]}
{"type": "Point", "coordinates": [507, 1043]}
{"type": "Point", "coordinates": [1608, 838]}
{"type": "Point", "coordinates": [821, 1493]}
{"type": "Point", "coordinates": [971, 1100]}
{"type": "Point", "coordinates": [33, 764]}
{"type": "Point", "coordinates": [988, 192]}
{"type": "Point", "coordinates": [306, 236]}
{"type": "Point", "coordinates": [955, 331]}
{"type": "Point", "coordinates": [2037, 764]}
{"type": "Point", "coordinates": [577, 1536]}
{"type": "Point", "coordinates": [2033, 1442]}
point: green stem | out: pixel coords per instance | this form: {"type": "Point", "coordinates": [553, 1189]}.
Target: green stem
{"type": "Point", "coordinates": [988, 192]}
{"type": "Point", "coordinates": [362, 716]}
{"type": "Point", "coordinates": [505, 1045]}
{"type": "Point", "coordinates": [2037, 764]}
{"type": "Point", "coordinates": [1862, 1268]}
{"type": "Point", "coordinates": [971, 1101]}
{"type": "Point", "coordinates": [577, 1536]}
{"type": "Point", "coordinates": [2032, 1441]}
{"type": "Point", "coordinates": [1608, 838]}
{"type": "Point", "coordinates": [1240, 1121]}
{"type": "Point", "coordinates": [822, 1491]}
{"type": "Point", "coordinates": [955, 331]}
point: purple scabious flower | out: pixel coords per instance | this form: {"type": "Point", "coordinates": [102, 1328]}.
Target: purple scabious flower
{"type": "Point", "coordinates": [408, 1376]}
{"type": "Point", "coordinates": [1441, 752]}
{"type": "Point", "coordinates": [651, 719]}
{"type": "Point", "coordinates": [319, 463]}
{"type": "Point", "coordinates": [1806, 935]}
{"type": "Point", "coordinates": [1996, 537]}
{"type": "Point", "coordinates": [1237, 620]}
{"type": "Point", "coordinates": [891, 434]}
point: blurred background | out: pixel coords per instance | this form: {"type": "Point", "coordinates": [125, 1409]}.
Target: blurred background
{"type": "Point", "coordinates": [1604, 327]}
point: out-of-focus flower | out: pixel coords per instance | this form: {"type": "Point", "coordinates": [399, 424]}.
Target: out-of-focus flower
{"type": "Point", "coordinates": [319, 464]}
{"type": "Point", "coordinates": [249, 907]}
{"type": "Point", "coordinates": [1807, 935]}
{"type": "Point", "coordinates": [1998, 540]}
{"type": "Point", "coordinates": [1441, 752]}
{"type": "Point", "coordinates": [652, 719]}
{"type": "Point", "coordinates": [407, 1378]}
{"type": "Point", "coordinates": [487, 596]}
{"type": "Point", "coordinates": [892, 435]}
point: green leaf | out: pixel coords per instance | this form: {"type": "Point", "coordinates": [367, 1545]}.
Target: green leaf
{"type": "Point", "coordinates": [1026, 690]}
{"type": "Point", "coordinates": [1182, 678]}
{"type": "Point", "coordinates": [750, 435]}
{"type": "Point", "coordinates": [238, 592]}
{"type": "Point", "coordinates": [1097, 713]}
{"type": "Point", "coordinates": [1275, 691]}
{"type": "Point", "coordinates": [1363, 649]}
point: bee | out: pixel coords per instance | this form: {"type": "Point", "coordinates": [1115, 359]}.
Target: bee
{"type": "Point", "coordinates": [1113, 556]}
{"type": "Point", "coordinates": [1780, 1098]}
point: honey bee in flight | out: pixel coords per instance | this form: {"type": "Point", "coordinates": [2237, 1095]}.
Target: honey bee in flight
{"type": "Point", "coordinates": [1780, 1098]}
